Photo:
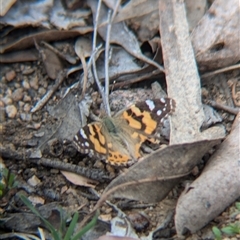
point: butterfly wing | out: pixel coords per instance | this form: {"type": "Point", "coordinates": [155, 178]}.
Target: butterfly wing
{"type": "Point", "coordinates": [142, 120]}
{"type": "Point", "coordinates": [146, 116]}
{"type": "Point", "coordinates": [96, 139]}
{"type": "Point", "coordinates": [90, 139]}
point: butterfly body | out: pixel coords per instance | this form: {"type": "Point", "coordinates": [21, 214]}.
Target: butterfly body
{"type": "Point", "coordinates": [118, 139]}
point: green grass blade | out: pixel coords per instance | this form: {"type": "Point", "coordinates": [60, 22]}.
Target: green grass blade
{"type": "Point", "coordinates": [48, 224]}
{"type": "Point", "coordinates": [91, 224]}
{"type": "Point", "coordinates": [71, 226]}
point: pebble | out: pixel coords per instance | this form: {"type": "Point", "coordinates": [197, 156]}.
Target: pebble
{"type": "Point", "coordinates": [1, 103]}
{"type": "Point", "coordinates": [10, 75]}
{"type": "Point", "coordinates": [11, 111]}
{"type": "Point", "coordinates": [27, 98]}
{"type": "Point", "coordinates": [26, 117]}
{"type": "Point", "coordinates": [34, 82]}
{"type": "Point", "coordinates": [27, 107]}
{"type": "Point", "coordinates": [17, 95]}
{"type": "Point", "coordinates": [33, 181]}
{"type": "Point", "coordinates": [28, 71]}
{"type": "Point", "coordinates": [42, 91]}
{"type": "Point", "coordinates": [25, 84]}
{"type": "Point", "coordinates": [20, 104]}
{"type": "Point", "coordinates": [17, 85]}
{"type": "Point", "coordinates": [7, 100]}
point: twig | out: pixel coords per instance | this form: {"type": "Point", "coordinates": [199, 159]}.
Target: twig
{"type": "Point", "coordinates": [231, 110]}
{"type": "Point", "coordinates": [220, 71]}
{"type": "Point", "coordinates": [95, 174]}
{"type": "Point", "coordinates": [85, 75]}
{"type": "Point", "coordinates": [66, 57]}
{"type": "Point", "coordinates": [99, 85]}
{"type": "Point", "coordinates": [107, 45]}
{"type": "Point", "coordinates": [44, 100]}
{"type": "Point", "coordinates": [135, 80]}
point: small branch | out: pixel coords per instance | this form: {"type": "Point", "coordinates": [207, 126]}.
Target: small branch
{"type": "Point", "coordinates": [99, 85]}
{"type": "Point", "coordinates": [220, 71]}
{"type": "Point", "coordinates": [231, 110]}
{"type": "Point", "coordinates": [107, 45]}
{"type": "Point", "coordinates": [47, 96]}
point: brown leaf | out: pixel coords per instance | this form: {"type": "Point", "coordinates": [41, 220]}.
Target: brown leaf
{"type": "Point", "coordinates": [159, 172]}
{"type": "Point", "coordinates": [216, 37]}
{"type": "Point", "coordinates": [51, 62]}
{"type": "Point", "coordinates": [216, 188]}
{"type": "Point", "coordinates": [46, 14]}
{"type": "Point", "coordinates": [44, 35]}
{"type": "Point", "coordinates": [135, 9]}
{"type": "Point", "coordinates": [79, 180]}
{"type": "Point", "coordinates": [20, 56]}
{"type": "Point", "coordinates": [120, 35]}
{"type": "Point", "coordinates": [5, 6]}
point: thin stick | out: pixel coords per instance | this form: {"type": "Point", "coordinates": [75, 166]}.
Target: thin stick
{"type": "Point", "coordinates": [221, 70]}
{"type": "Point", "coordinates": [107, 45]}
{"type": "Point", "coordinates": [61, 76]}
{"type": "Point", "coordinates": [231, 110]}
{"type": "Point", "coordinates": [99, 85]}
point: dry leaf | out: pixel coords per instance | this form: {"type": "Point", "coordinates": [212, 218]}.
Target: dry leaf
{"type": "Point", "coordinates": [134, 9]}
{"type": "Point", "coordinates": [216, 188]}
{"type": "Point", "coordinates": [42, 35]}
{"type": "Point", "coordinates": [120, 34]}
{"type": "Point", "coordinates": [159, 172]}
{"type": "Point", "coordinates": [195, 11]}
{"type": "Point", "coordinates": [5, 6]}
{"type": "Point", "coordinates": [46, 13]}
{"type": "Point", "coordinates": [79, 180]}
{"type": "Point", "coordinates": [51, 62]}
{"type": "Point", "coordinates": [20, 56]}
{"type": "Point", "coordinates": [216, 38]}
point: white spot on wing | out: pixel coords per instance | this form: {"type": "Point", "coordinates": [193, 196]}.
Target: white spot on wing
{"type": "Point", "coordinates": [162, 100]}
{"type": "Point", "coordinates": [76, 137]}
{"type": "Point", "coordinates": [159, 112]}
{"type": "Point", "coordinates": [86, 144]}
{"type": "Point", "coordinates": [82, 133]}
{"type": "Point", "coordinates": [150, 104]}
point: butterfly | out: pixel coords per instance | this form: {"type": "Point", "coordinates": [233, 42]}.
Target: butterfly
{"type": "Point", "coordinates": [118, 139]}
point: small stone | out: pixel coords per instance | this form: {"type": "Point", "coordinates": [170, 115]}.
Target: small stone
{"type": "Point", "coordinates": [37, 125]}
{"type": "Point", "coordinates": [11, 111]}
{"type": "Point", "coordinates": [10, 75]}
{"type": "Point", "coordinates": [27, 107]}
{"type": "Point", "coordinates": [20, 104]}
{"type": "Point", "coordinates": [27, 98]}
{"type": "Point", "coordinates": [7, 100]}
{"type": "Point", "coordinates": [42, 91]}
{"type": "Point", "coordinates": [17, 85]}
{"type": "Point", "coordinates": [17, 95]}
{"type": "Point", "coordinates": [33, 181]}
{"type": "Point", "coordinates": [26, 117]}
{"type": "Point", "coordinates": [34, 82]}
{"type": "Point", "coordinates": [1, 104]}
{"type": "Point", "coordinates": [28, 71]}
{"type": "Point", "coordinates": [25, 84]}
{"type": "Point", "coordinates": [41, 134]}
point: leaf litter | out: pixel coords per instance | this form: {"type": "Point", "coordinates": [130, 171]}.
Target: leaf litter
{"type": "Point", "coordinates": [189, 144]}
